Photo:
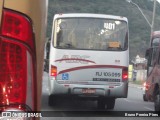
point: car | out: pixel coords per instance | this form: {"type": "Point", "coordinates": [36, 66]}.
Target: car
{"type": "Point", "coordinates": [23, 26]}
{"type": "Point", "coordinates": [152, 84]}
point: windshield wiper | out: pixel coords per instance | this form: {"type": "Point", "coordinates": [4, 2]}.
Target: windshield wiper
{"type": "Point", "coordinates": [115, 49]}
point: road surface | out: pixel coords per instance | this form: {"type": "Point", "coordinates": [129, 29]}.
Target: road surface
{"type": "Point", "coordinates": [134, 102]}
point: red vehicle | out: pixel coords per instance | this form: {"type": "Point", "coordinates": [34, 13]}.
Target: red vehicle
{"type": "Point", "coordinates": [152, 84]}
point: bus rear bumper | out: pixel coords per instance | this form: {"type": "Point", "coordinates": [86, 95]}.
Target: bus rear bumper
{"type": "Point", "coordinates": [110, 90]}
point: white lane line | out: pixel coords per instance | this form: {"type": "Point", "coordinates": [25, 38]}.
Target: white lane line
{"type": "Point", "coordinates": [131, 101]}
{"type": "Point", "coordinates": [127, 100]}
{"type": "Point", "coordinates": [148, 108]}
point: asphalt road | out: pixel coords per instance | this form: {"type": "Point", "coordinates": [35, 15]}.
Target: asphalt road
{"type": "Point", "coordinates": [134, 102]}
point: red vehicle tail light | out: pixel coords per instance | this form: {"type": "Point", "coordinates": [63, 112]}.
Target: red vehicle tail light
{"type": "Point", "coordinates": [125, 74]}
{"type": "Point", "coordinates": [17, 73]}
{"type": "Point", "coordinates": [14, 25]}
{"type": "Point", "coordinates": [13, 74]}
{"type": "Point", "coordinates": [53, 71]}
{"type": "Point", "coordinates": [146, 86]}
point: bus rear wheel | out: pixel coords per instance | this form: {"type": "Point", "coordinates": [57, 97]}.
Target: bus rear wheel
{"type": "Point", "coordinates": [111, 103]}
{"type": "Point", "coordinates": [52, 100]}
{"type": "Point", "coordinates": [101, 104]}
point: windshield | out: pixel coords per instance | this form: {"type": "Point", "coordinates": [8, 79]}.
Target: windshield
{"type": "Point", "coordinates": [90, 34]}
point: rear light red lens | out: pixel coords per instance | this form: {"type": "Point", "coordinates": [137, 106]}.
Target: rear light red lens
{"type": "Point", "coordinates": [125, 74]}
{"type": "Point", "coordinates": [16, 26]}
{"type": "Point", "coordinates": [146, 86]}
{"type": "Point", "coordinates": [16, 62]}
{"type": "Point", "coordinates": [53, 71]}
{"type": "Point", "coordinates": [13, 74]}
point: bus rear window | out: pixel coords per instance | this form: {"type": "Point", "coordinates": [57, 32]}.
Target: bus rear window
{"type": "Point", "coordinates": [90, 34]}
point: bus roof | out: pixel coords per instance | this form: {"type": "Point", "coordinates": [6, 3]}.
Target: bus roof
{"type": "Point", "coordinates": [90, 15]}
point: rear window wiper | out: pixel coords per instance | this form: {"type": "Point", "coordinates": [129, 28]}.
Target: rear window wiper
{"type": "Point", "coordinates": [68, 45]}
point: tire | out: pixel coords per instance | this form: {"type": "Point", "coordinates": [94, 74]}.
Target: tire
{"type": "Point", "coordinates": [145, 98]}
{"type": "Point", "coordinates": [101, 104]}
{"type": "Point", "coordinates": [157, 101]}
{"type": "Point", "coordinates": [111, 103]}
{"type": "Point", "coordinates": [52, 100]}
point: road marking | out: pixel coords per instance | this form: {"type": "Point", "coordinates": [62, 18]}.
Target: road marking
{"type": "Point", "coordinates": [132, 101]}
{"type": "Point", "coordinates": [127, 100]}
{"type": "Point", "coordinates": [148, 108]}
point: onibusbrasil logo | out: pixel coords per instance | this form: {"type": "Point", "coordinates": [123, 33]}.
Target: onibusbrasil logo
{"type": "Point", "coordinates": [19, 115]}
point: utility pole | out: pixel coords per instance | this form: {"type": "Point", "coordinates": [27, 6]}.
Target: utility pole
{"type": "Point", "coordinates": [153, 16]}
{"type": "Point", "coordinates": [153, 19]}
{"type": "Point", "coordinates": [130, 1]}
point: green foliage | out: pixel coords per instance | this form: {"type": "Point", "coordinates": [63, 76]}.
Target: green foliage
{"type": "Point", "coordinates": [138, 28]}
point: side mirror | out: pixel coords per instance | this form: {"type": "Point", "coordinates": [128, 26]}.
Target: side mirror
{"type": "Point", "coordinates": [147, 53]}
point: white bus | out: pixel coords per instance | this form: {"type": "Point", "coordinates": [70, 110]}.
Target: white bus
{"type": "Point", "coordinates": [89, 58]}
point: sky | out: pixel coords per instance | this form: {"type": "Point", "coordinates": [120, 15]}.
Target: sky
{"type": "Point", "coordinates": [158, 1]}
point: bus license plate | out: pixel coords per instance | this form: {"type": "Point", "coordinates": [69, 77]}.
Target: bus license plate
{"type": "Point", "coordinates": [88, 91]}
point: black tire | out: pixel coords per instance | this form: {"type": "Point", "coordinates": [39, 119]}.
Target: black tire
{"type": "Point", "coordinates": [145, 98]}
{"type": "Point", "coordinates": [110, 103]}
{"type": "Point", "coordinates": [157, 101]}
{"type": "Point", "coordinates": [52, 100]}
{"type": "Point", "coordinates": [101, 104]}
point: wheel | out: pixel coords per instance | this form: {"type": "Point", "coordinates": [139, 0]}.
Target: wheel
{"type": "Point", "coordinates": [52, 100]}
{"type": "Point", "coordinates": [101, 104]}
{"type": "Point", "coordinates": [157, 101]}
{"type": "Point", "coordinates": [144, 97]}
{"type": "Point", "coordinates": [110, 103]}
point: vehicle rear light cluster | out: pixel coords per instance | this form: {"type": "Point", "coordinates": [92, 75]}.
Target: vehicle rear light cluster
{"type": "Point", "coordinates": [53, 71]}
{"type": "Point", "coordinates": [125, 74]}
{"type": "Point", "coordinates": [13, 75]}
{"type": "Point", "coordinates": [146, 86]}
{"type": "Point", "coordinates": [16, 61]}
{"type": "Point", "coordinates": [18, 27]}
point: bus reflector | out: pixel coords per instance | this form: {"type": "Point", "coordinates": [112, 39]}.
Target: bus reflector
{"type": "Point", "coordinates": [53, 71]}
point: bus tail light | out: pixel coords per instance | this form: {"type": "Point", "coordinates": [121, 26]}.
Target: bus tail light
{"type": "Point", "coordinates": [125, 74]}
{"type": "Point", "coordinates": [53, 71]}
{"type": "Point", "coordinates": [17, 63]}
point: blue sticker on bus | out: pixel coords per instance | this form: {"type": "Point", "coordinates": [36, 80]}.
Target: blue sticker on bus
{"type": "Point", "coordinates": [65, 76]}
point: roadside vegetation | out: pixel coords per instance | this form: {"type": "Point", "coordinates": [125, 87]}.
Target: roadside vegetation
{"type": "Point", "coordinates": [138, 28]}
